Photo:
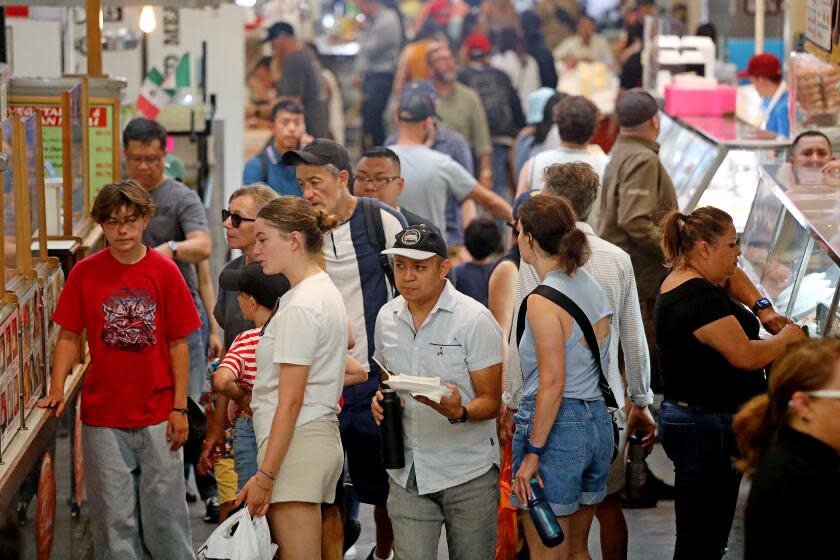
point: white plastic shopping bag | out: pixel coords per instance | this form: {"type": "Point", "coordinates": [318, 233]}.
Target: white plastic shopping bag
{"type": "Point", "coordinates": [239, 538]}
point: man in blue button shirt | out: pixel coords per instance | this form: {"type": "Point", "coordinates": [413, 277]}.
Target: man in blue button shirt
{"type": "Point", "coordinates": [451, 473]}
{"type": "Point", "coordinates": [287, 133]}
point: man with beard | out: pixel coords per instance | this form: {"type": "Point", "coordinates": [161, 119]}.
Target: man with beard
{"type": "Point", "coordinates": [459, 108]}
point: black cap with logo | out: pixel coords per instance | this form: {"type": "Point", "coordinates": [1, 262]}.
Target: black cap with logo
{"type": "Point", "coordinates": [419, 243]}
{"type": "Point", "coordinates": [320, 151]}
{"type": "Point", "coordinates": [265, 289]}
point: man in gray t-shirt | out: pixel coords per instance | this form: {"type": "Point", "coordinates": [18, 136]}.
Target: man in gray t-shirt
{"type": "Point", "coordinates": [301, 78]}
{"type": "Point", "coordinates": [178, 228]}
{"type": "Point", "coordinates": [430, 176]}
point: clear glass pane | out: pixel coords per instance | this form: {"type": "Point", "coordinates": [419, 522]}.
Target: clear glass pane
{"type": "Point", "coordinates": [734, 185]}
{"type": "Point", "coordinates": [77, 156]}
{"type": "Point", "coordinates": [9, 216]}
{"type": "Point", "coordinates": [759, 231]}
{"type": "Point", "coordinates": [813, 298]}
{"type": "Point", "coordinates": [784, 261]}
{"type": "Point", "coordinates": [33, 160]}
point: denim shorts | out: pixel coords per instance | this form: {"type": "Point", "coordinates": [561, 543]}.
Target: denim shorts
{"type": "Point", "coordinates": [244, 450]}
{"type": "Point", "coordinates": [575, 462]}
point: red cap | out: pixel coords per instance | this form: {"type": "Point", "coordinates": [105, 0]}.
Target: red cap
{"type": "Point", "coordinates": [478, 45]}
{"type": "Point", "coordinates": [763, 65]}
{"type": "Point", "coordinates": [440, 11]}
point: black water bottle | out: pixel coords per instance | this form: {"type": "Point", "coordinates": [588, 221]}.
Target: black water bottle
{"type": "Point", "coordinates": [391, 429]}
{"type": "Point", "coordinates": [544, 520]}
{"type": "Point", "coordinates": [636, 469]}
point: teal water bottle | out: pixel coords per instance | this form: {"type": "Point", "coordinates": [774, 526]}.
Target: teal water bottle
{"type": "Point", "coordinates": [544, 520]}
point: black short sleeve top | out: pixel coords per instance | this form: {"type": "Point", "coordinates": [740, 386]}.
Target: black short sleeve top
{"type": "Point", "coordinates": [693, 372]}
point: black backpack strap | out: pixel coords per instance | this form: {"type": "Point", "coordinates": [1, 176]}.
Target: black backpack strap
{"type": "Point", "coordinates": [263, 157]}
{"type": "Point", "coordinates": [376, 234]}
{"type": "Point", "coordinates": [561, 300]}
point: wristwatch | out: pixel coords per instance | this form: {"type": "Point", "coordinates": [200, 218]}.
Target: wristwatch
{"type": "Point", "coordinates": [763, 303]}
{"type": "Point", "coordinates": [464, 415]}
{"type": "Point", "coordinates": [538, 451]}
{"type": "Point", "coordinates": [173, 245]}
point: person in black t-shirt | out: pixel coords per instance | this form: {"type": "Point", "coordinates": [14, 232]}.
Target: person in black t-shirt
{"type": "Point", "coordinates": [482, 239]}
{"type": "Point", "coordinates": [790, 440]}
{"type": "Point", "coordinates": [713, 361]}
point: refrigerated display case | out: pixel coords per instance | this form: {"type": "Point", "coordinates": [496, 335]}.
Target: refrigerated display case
{"type": "Point", "coordinates": [791, 245]}
{"type": "Point", "coordinates": [715, 161]}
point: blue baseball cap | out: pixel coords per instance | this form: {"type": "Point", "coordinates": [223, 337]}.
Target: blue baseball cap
{"type": "Point", "coordinates": [536, 104]}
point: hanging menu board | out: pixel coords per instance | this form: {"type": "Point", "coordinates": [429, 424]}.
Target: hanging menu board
{"type": "Point", "coordinates": [103, 137]}
{"type": "Point", "coordinates": [823, 30]}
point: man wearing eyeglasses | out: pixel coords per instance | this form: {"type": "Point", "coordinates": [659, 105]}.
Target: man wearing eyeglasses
{"type": "Point", "coordinates": [178, 230]}
{"type": "Point", "coordinates": [378, 176]}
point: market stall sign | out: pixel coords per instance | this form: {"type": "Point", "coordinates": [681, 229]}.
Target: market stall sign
{"type": "Point", "coordinates": [102, 131]}
{"type": "Point", "coordinates": [823, 30]}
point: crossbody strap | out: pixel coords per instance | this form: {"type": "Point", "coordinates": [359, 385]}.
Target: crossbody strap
{"type": "Point", "coordinates": [561, 300]}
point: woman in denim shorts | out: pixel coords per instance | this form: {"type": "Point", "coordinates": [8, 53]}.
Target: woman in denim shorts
{"type": "Point", "coordinates": [563, 430]}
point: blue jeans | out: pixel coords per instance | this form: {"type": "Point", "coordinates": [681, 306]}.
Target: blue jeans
{"type": "Point", "coordinates": [575, 463]}
{"type": "Point", "coordinates": [701, 444]}
{"type": "Point", "coordinates": [244, 450]}
{"type": "Point", "coordinates": [376, 88]}
{"type": "Point", "coordinates": [197, 344]}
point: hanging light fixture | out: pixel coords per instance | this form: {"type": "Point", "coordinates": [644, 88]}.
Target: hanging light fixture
{"type": "Point", "coordinates": [246, 3]}
{"type": "Point", "coordinates": [148, 22]}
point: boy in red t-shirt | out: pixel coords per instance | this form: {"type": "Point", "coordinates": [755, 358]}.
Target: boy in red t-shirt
{"type": "Point", "coordinates": [137, 311]}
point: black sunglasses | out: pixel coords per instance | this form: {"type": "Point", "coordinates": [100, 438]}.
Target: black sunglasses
{"type": "Point", "coordinates": [235, 219]}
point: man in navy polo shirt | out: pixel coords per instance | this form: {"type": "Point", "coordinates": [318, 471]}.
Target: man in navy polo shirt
{"type": "Point", "coordinates": [267, 167]}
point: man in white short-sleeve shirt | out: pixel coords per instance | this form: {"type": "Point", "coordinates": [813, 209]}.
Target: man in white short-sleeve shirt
{"type": "Point", "coordinates": [451, 470]}
{"type": "Point", "coordinates": [431, 176]}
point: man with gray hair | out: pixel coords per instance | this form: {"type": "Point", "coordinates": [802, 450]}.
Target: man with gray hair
{"type": "Point", "coordinates": [611, 267]}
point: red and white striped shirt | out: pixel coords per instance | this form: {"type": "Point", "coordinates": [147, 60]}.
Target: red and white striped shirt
{"type": "Point", "coordinates": [240, 358]}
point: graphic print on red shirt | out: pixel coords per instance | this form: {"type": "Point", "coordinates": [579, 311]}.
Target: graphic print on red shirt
{"type": "Point", "coordinates": [131, 312]}
{"type": "Point", "coordinates": [129, 320]}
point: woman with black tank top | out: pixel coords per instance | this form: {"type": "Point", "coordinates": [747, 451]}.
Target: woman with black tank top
{"type": "Point", "coordinates": [713, 362]}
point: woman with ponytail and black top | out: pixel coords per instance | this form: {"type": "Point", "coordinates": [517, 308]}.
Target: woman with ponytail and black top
{"type": "Point", "coordinates": [790, 444]}
{"type": "Point", "coordinates": [713, 362]}
{"type": "Point", "coordinates": [300, 376]}
{"type": "Point", "coordinates": [563, 430]}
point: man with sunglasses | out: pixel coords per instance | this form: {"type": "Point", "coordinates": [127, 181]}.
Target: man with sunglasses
{"type": "Point", "coordinates": [179, 231]}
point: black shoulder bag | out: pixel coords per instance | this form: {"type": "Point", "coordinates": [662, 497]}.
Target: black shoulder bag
{"type": "Point", "coordinates": [581, 319]}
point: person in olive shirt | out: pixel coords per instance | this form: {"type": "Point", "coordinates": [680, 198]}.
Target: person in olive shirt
{"type": "Point", "coordinates": [637, 193]}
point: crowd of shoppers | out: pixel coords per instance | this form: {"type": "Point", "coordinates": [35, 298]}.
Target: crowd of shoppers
{"type": "Point", "coordinates": [490, 246]}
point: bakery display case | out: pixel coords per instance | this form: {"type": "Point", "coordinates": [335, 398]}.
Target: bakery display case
{"type": "Point", "coordinates": [791, 245]}
{"type": "Point", "coordinates": [715, 161]}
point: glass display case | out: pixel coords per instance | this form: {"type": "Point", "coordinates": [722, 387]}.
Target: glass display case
{"type": "Point", "coordinates": [791, 245]}
{"type": "Point", "coordinates": [715, 161]}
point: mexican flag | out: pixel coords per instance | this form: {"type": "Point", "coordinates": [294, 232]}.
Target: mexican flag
{"type": "Point", "coordinates": [180, 78]}
{"type": "Point", "coordinates": [152, 97]}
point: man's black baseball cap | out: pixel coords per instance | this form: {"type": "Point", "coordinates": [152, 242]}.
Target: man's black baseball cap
{"type": "Point", "coordinates": [320, 151]}
{"type": "Point", "coordinates": [419, 243]}
{"type": "Point", "coordinates": [265, 289]}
